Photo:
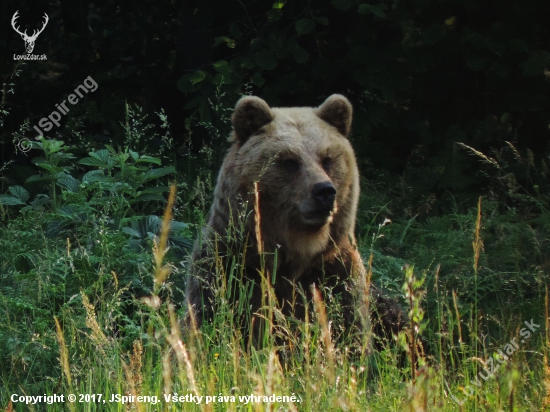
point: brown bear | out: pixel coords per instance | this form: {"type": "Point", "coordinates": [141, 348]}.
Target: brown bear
{"type": "Point", "coordinates": [294, 171]}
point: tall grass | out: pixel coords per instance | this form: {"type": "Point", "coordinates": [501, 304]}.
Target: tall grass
{"type": "Point", "coordinates": [85, 310]}
{"type": "Point", "coordinates": [219, 366]}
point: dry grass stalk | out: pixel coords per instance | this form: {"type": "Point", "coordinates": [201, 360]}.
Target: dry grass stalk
{"type": "Point", "coordinates": [530, 159]}
{"type": "Point", "coordinates": [547, 319]}
{"type": "Point", "coordinates": [477, 243]}
{"type": "Point", "coordinates": [97, 335]}
{"type": "Point", "coordinates": [134, 378]}
{"type": "Point", "coordinates": [182, 356]}
{"type": "Point", "coordinates": [325, 332]}
{"type": "Point", "coordinates": [160, 248]}
{"type": "Point", "coordinates": [131, 387]}
{"type": "Point", "coordinates": [115, 278]}
{"type": "Point", "coordinates": [485, 159]}
{"type": "Point", "coordinates": [270, 384]}
{"type": "Point", "coordinates": [543, 167]}
{"type": "Point", "coordinates": [64, 353]}
{"type": "Point", "coordinates": [478, 246]}
{"type": "Point", "coordinates": [136, 364]}
{"type": "Point", "coordinates": [546, 402]}
{"type": "Point", "coordinates": [195, 341]}
{"type": "Point", "coordinates": [167, 372]}
{"type": "Point", "coordinates": [365, 314]}
{"type": "Point", "coordinates": [257, 218]}
{"type": "Point", "coordinates": [192, 320]}
{"type": "Point", "coordinates": [514, 151]}
{"type": "Point", "coordinates": [411, 294]}
{"type": "Point", "coordinates": [455, 303]}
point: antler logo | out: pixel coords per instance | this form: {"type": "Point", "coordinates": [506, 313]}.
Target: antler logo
{"type": "Point", "coordinates": [29, 40]}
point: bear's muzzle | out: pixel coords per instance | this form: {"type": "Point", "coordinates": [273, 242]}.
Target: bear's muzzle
{"type": "Point", "coordinates": [321, 204]}
{"type": "Point", "coordinates": [324, 194]}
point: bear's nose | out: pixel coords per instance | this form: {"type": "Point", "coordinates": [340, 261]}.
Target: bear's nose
{"type": "Point", "coordinates": [324, 194]}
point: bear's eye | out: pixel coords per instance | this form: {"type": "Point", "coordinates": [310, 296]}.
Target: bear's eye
{"type": "Point", "coordinates": [327, 161]}
{"type": "Point", "coordinates": [290, 164]}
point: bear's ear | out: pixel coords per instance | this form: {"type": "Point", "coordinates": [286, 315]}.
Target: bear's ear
{"type": "Point", "coordinates": [336, 111]}
{"type": "Point", "coordinates": [250, 114]}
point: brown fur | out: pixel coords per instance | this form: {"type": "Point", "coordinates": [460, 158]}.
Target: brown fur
{"type": "Point", "coordinates": [292, 153]}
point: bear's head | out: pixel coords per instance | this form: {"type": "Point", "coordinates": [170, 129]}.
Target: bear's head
{"type": "Point", "coordinates": [306, 173]}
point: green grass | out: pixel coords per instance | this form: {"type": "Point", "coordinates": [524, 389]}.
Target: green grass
{"type": "Point", "coordinates": [105, 341]}
{"type": "Point", "coordinates": [90, 278]}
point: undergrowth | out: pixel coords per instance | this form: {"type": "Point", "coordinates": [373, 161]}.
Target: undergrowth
{"type": "Point", "coordinates": [91, 280]}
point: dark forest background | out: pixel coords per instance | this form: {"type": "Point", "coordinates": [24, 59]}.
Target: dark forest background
{"type": "Point", "coordinates": [422, 75]}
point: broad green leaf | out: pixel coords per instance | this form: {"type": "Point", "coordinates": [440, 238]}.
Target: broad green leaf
{"type": "Point", "coordinates": [149, 197]}
{"type": "Point", "coordinates": [343, 4]}
{"type": "Point", "coordinates": [56, 227]}
{"type": "Point", "coordinates": [50, 168]}
{"type": "Point", "coordinates": [258, 79]}
{"type": "Point", "coordinates": [247, 62]}
{"type": "Point", "coordinates": [177, 226]}
{"type": "Point", "coordinates": [156, 190]}
{"type": "Point", "coordinates": [67, 210]}
{"type": "Point", "coordinates": [224, 39]}
{"type": "Point", "coordinates": [156, 173]}
{"type": "Point", "coordinates": [39, 178]}
{"type": "Point", "coordinates": [90, 161]}
{"type": "Point", "coordinates": [376, 9]}
{"type": "Point", "coordinates": [102, 155]}
{"type": "Point", "coordinates": [266, 59]}
{"type": "Point", "coordinates": [134, 155]}
{"type": "Point", "coordinates": [69, 183]}
{"type": "Point", "coordinates": [195, 102]}
{"type": "Point", "coordinates": [322, 20]}
{"type": "Point", "coordinates": [223, 78]}
{"type": "Point", "coordinates": [304, 26]}
{"type": "Point", "coordinates": [149, 159]}
{"type": "Point", "coordinates": [222, 66]}
{"type": "Point", "coordinates": [186, 83]}
{"type": "Point", "coordinates": [119, 187]}
{"type": "Point", "coordinates": [301, 55]}
{"type": "Point", "coordinates": [52, 146]}
{"type": "Point", "coordinates": [10, 200]}
{"type": "Point", "coordinates": [94, 176]}
{"type": "Point", "coordinates": [450, 21]}
{"type": "Point", "coordinates": [181, 242]}
{"type": "Point", "coordinates": [19, 192]}
{"type": "Point", "coordinates": [274, 14]}
{"type": "Point", "coordinates": [132, 232]}
{"type": "Point", "coordinates": [197, 77]}
{"type": "Point", "coordinates": [40, 200]}
{"type": "Point", "coordinates": [39, 159]}
{"type": "Point", "coordinates": [101, 158]}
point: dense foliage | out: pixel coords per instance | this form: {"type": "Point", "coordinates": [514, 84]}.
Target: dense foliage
{"type": "Point", "coordinates": [423, 75]}
{"type": "Point", "coordinates": [452, 105]}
